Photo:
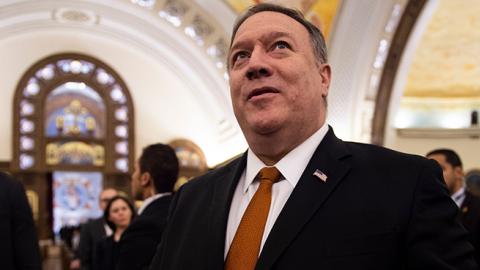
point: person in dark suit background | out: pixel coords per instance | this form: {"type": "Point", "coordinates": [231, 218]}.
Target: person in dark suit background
{"type": "Point", "coordinates": [153, 179]}
{"type": "Point", "coordinates": [118, 215]}
{"type": "Point", "coordinates": [468, 203]}
{"type": "Point", "coordinates": [93, 231]}
{"type": "Point", "coordinates": [333, 204]}
{"type": "Point", "coordinates": [19, 248]}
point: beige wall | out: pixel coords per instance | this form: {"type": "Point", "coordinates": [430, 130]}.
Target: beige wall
{"type": "Point", "coordinates": [467, 148]}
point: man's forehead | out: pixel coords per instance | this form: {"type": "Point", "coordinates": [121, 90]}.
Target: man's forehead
{"type": "Point", "coordinates": [267, 20]}
{"type": "Point", "coordinates": [266, 36]}
{"type": "Point", "coordinates": [108, 193]}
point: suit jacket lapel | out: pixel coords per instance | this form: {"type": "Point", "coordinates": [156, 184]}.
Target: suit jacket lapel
{"type": "Point", "coordinates": [330, 157]}
{"type": "Point", "coordinates": [224, 188]}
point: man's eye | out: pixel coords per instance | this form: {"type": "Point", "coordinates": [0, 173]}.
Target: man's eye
{"type": "Point", "coordinates": [240, 55]}
{"type": "Point", "coordinates": [281, 45]}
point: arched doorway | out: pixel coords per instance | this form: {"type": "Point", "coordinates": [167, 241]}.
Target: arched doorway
{"type": "Point", "coordinates": [72, 136]}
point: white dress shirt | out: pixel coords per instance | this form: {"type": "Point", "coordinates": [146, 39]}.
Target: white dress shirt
{"type": "Point", "coordinates": [291, 166]}
{"type": "Point", "coordinates": [108, 231]}
{"type": "Point", "coordinates": [459, 196]}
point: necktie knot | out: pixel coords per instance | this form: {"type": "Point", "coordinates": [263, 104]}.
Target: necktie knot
{"type": "Point", "coordinates": [270, 174]}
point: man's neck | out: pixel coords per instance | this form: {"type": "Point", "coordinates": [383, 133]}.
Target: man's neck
{"type": "Point", "coordinates": [149, 200]}
{"type": "Point", "coordinates": [148, 192]}
{"type": "Point", "coordinates": [271, 148]}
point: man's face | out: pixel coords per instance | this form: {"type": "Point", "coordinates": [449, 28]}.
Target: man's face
{"type": "Point", "coordinates": [105, 197]}
{"type": "Point", "coordinates": [135, 182]}
{"type": "Point", "coordinates": [275, 81]}
{"type": "Point", "coordinates": [450, 174]}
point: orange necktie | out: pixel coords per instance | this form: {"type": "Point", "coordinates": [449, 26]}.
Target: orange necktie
{"type": "Point", "coordinates": [245, 247]}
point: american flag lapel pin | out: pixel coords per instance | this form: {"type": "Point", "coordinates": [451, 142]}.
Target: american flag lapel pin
{"type": "Point", "coordinates": [320, 175]}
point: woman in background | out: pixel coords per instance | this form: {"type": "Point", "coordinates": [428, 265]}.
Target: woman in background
{"type": "Point", "coordinates": [118, 215]}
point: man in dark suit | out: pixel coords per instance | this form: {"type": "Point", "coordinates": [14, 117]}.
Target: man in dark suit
{"type": "Point", "coordinates": [468, 203]}
{"type": "Point", "coordinates": [18, 240]}
{"type": "Point", "coordinates": [154, 176]}
{"type": "Point", "coordinates": [329, 204]}
{"type": "Point", "coordinates": [92, 232]}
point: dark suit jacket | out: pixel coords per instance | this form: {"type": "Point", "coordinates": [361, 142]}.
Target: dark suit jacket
{"type": "Point", "coordinates": [91, 233]}
{"type": "Point", "coordinates": [378, 210]}
{"type": "Point", "coordinates": [470, 215]}
{"type": "Point", "coordinates": [139, 241]}
{"type": "Point", "coordinates": [106, 254]}
{"type": "Point", "coordinates": [18, 239]}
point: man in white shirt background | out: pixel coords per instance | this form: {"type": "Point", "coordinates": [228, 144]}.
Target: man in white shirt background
{"type": "Point", "coordinates": [468, 203]}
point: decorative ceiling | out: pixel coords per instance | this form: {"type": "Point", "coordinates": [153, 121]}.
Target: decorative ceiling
{"type": "Point", "coordinates": [319, 12]}
{"type": "Point", "coordinates": [446, 63]}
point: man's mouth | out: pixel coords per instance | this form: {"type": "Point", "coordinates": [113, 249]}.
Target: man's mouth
{"type": "Point", "coordinates": [261, 91]}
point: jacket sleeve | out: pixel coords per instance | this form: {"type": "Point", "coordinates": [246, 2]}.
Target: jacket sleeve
{"type": "Point", "coordinates": [435, 239]}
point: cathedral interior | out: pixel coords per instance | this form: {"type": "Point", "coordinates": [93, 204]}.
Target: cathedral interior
{"type": "Point", "coordinates": [87, 84]}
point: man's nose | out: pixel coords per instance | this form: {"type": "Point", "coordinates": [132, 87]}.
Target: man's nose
{"type": "Point", "coordinates": [258, 65]}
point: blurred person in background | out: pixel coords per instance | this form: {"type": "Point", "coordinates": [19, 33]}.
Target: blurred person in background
{"type": "Point", "coordinates": [91, 232]}
{"type": "Point", "coordinates": [118, 215]}
{"type": "Point", "coordinates": [153, 179]}
{"type": "Point", "coordinates": [468, 203]}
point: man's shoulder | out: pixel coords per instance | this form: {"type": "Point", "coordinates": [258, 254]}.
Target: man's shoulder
{"type": "Point", "coordinates": [143, 224]}
{"type": "Point", "coordinates": [93, 224]}
{"type": "Point", "coordinates": [7, 183]}
{"type": "Point", "coordinates": [96, 221]}
{"type": "Point", "coordinates": [369, 153]}
{"type": "Point", "coordinates": [11, 192]}
{"type": "Point", "coordinates": [5, 179]}
{"type": "Point", "coordinates": [373, 152]}
{"type": "Point", "coordinates": [158, 207]}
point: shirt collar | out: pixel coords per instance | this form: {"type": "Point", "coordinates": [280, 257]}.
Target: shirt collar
{"type": "Point", "coordinates": [459, 196]}
{"type": "Point", "coordinates": [108, 230]}
{"type": "Point", "coordinates": [292, 165]}
{"type": "Point", "coordinates": [149, 200]}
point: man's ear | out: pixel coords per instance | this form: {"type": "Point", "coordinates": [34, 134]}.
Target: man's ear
{"type": "Point", "coordinates": [145, 179]}
{"type": "Point", "coordinates": [325, 72]}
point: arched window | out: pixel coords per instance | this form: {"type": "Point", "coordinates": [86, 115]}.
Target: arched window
{"type": "Point", "coordinates": [73, 127]}
{"type": "Point", "coordinates": [191, 158]}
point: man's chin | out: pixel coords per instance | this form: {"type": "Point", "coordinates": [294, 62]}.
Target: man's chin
{"type": "Point", "coordinates": [266, 129]}
{"type": "Point", "coordinates": [259, 125]}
